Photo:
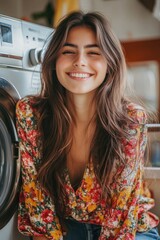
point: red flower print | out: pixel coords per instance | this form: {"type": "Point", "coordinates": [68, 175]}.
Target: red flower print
{"type": "Point", "coordinates": [27, 159]}
{"type": "Point", "coordinates": [22, 106]}
{"type": "Point", "coordinates": [47, 216]}
{"type": "Point", "coordinates": [21, 197]}
{"type": "Point", "coordinates": [22, 134]}
{"type": "Point", "coordinates": [32, 136]}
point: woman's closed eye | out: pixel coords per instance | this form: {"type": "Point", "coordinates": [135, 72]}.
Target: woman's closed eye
{"type": "Point", "coordinates": [68, 52]}
{"type": "Point", "coordinates": [94, 53]}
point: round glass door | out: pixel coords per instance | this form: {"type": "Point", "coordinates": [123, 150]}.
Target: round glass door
{"type": "Point", "coordinates": [9, 173]}
{"type": "Point", "coordinates": [9, 158]}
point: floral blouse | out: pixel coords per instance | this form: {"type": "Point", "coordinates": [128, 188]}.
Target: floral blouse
{"type": "Point", "coordinates": [128, 212]}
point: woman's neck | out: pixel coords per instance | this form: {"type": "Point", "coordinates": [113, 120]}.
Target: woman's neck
{"type": "Point", "coordinates": [82, 107]}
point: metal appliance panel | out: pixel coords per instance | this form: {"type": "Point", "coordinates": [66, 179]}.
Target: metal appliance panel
{"type": "Point", "coordinates": [26, 82]}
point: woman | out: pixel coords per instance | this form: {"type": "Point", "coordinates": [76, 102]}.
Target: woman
{"type": "Point", "coordinates": [82, 143]}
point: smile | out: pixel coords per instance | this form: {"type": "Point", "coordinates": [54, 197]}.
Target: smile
{"type": "Point", "coordinates": [79, 75]}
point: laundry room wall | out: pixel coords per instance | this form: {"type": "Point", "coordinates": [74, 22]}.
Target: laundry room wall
{"type": "Point", "coordinates": [129, 19]}
{"type": "Point", "coordinates": [11, 8]}
{"type": "Point", "coordinates": [23, 9]}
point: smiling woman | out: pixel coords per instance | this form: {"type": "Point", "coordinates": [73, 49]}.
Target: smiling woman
{"type": "Point", "coordinates": [82, 142]}
{"type": "Point", "coordinates": [81, 65]}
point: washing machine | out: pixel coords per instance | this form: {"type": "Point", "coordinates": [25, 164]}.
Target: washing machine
{"type": "Point", "coordinates": [22, 45]}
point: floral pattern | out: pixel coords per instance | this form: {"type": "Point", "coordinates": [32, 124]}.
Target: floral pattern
{"type": "Point", "coordinates": [120, 219]}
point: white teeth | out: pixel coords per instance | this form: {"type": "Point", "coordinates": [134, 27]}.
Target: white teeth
{"type": "Point", "coordinates": [79, 75]}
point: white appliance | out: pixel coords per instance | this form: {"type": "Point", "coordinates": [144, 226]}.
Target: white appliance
{"type": "Point", "coordinates": [21, 47]}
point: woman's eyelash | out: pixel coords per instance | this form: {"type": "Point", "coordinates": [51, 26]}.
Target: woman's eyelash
{"type": "Point", "coordinates": [72, 52]}
{"type": "Point", "coordinates": [67, 52]}
{"type": "Point", "coordinates": [94, 53]}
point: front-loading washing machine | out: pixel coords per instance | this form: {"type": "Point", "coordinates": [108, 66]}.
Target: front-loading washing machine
{"type": "Point", "coordinates": [22, 45]}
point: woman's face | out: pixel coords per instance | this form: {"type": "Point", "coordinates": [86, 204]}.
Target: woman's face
{"type": "Point", "coordinates": [81, 66]}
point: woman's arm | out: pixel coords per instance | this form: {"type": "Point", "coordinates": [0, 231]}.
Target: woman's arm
{"type": "Point", "coordinates": [37, 214]}
{"type": "Point", "coordinates": [121, 219]}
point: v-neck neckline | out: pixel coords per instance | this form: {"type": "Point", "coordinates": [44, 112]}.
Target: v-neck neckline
{"type": "Point", "coordinates": [80, 182]}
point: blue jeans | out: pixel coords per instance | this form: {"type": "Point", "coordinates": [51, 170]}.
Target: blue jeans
{"type": "Point", "coordinates": [82, 231]}
{"type": "Point", "coordinates": [149, 235]}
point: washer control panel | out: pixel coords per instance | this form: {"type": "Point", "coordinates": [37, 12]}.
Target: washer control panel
{"type": "Point", "coordinates": [35, 38]}
{"type": "Point", "coordinates": [11, 42]}
{"type": "Point", "coordinates": [22, 43]}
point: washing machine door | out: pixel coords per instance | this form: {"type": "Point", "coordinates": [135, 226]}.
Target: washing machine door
{"type": "Point", "coordinates": [9, 153]}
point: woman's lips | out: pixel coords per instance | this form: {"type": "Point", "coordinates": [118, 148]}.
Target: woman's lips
{"type": "Point", "coordinates": [77, 75]}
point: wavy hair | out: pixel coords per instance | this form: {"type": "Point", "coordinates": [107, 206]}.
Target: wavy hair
{"type": "Point", "coordinates": [55, 119]}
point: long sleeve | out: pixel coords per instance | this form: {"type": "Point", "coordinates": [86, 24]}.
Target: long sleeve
{"type": "Point", "coordinates": [36, 216]}
{"type": "Point", "coordinates": [121, 219]}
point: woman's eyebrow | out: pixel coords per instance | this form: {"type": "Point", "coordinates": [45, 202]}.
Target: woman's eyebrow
{"type": "Point", "coordinates": [75, 46]}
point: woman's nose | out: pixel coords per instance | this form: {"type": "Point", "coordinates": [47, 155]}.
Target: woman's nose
{"type": "Point", "coordinates": [79, 60]}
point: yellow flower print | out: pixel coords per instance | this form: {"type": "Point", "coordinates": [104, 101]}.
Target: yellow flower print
{"type": "Point", "coordinates": [86, 198]}
{"type": "Point", "coordinates": [135, 210]}
{"type": "Point", "coordinates": [91, 207]}
{"type": "Point", "coordinates": [88, 183]}
{"type": "Point", "coordinates": [27, 187]}
{"type": "Point", "coordinates": [56, 234]}
{"type": "Point", "coordinates": [30, 203]}
{"type": "Point", "coordinates": [128, 222]}
{"type": "Point", "coordinates": [123, 197]}
{"type": "Point", "coordinates": [32, 190]}
{"type": "Point", "coordinates": [89, 180]}
{"type": "Point", "coordinates": [100, 216]}
{"type": "Point", "coordinates": [73, 204]}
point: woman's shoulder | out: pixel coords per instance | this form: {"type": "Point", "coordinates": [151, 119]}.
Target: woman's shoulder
{"type": "Point", "coordinates": [136, 113]}
{"type": "Point", "coordinates": [25, 104]}
{"type": "Point", "coordinates": [25, 108]}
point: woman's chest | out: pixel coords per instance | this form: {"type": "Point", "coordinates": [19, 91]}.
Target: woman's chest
{"type": "Point", "coordinates": [77, 160]}
{"type": "Point", "coordinates": [76, 165]}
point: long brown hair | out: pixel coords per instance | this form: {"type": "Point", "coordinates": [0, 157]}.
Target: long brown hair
{"type": "Point", "coordinates": [55, 119]}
